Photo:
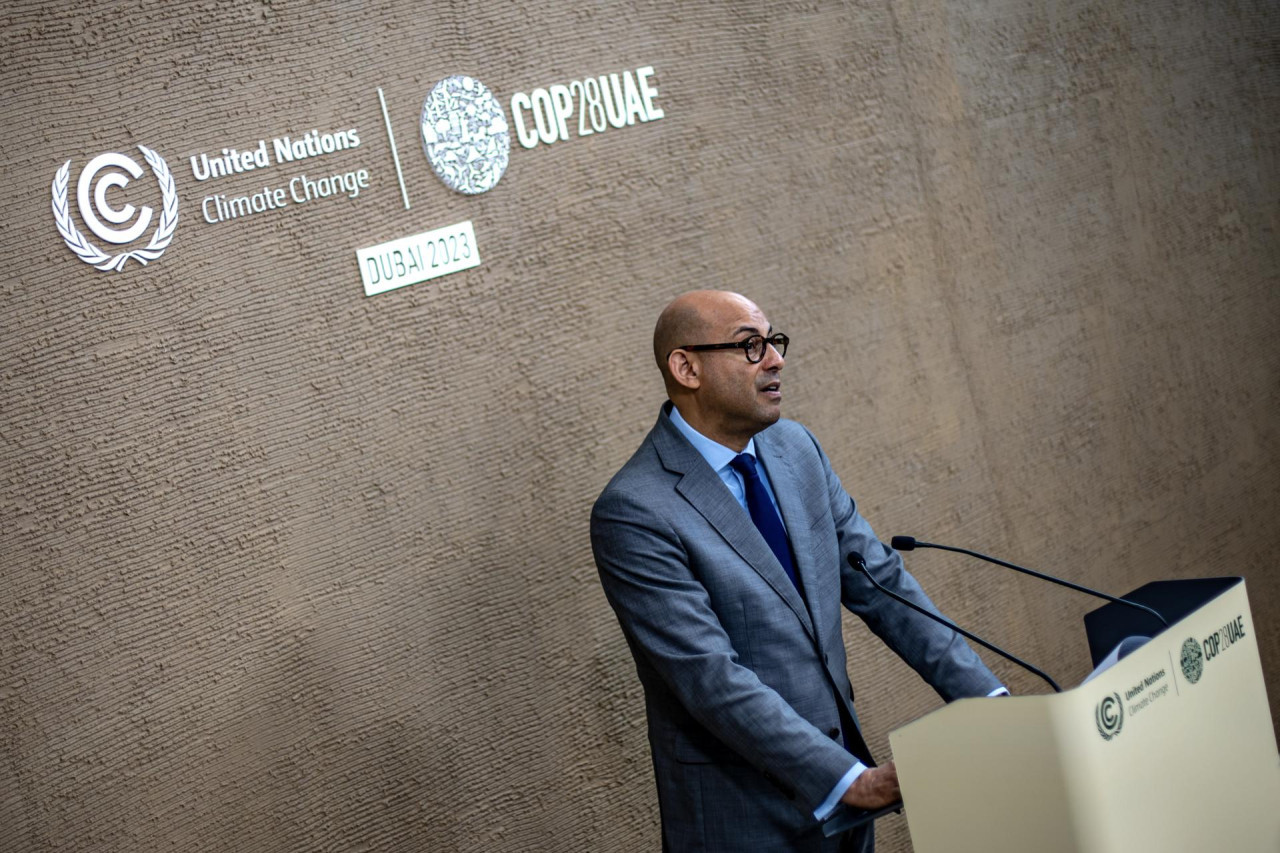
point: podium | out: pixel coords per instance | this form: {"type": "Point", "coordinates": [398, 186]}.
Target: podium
{"type": "Point", "coordinates": [1171, 749]}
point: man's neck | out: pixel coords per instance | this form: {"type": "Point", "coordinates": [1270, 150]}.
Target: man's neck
{"type": "Point", "coordinates": [736, 443]}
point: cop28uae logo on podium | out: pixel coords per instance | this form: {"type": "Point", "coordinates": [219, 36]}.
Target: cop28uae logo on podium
{"type": "Point", "coordinates": [1192, 660]}
{"type": "Point", "coordinates": [101, 174]}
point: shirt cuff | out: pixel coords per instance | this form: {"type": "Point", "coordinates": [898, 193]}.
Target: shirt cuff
{"type": "Point", "coordinates": [999, 691]}
{"type": "Point", "coordinates": [824, 810]}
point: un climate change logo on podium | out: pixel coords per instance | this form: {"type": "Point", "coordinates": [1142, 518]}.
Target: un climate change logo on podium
{"type": "Point", "coordinates": [1109, 716]}
{"type": "Point", "coordinates": [94, 207]}
{"type": "Point", "coordinates": [1192, 660]}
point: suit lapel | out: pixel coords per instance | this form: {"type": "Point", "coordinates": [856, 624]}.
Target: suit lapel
{"type": "Point", "coordinates": [791, 493]}
{"type": "Point", "coordinates": [707, 494]}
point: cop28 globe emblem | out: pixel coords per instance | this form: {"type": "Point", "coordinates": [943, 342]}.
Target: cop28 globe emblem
{"type": "Point", "coordinates": [1109, 716]}
{"type": "Point", "coordinates": [465, 135]}
{"type": "Point", "coordinates": [1192, 660]}
{"type": "Point", "coordinates": [102, 174]}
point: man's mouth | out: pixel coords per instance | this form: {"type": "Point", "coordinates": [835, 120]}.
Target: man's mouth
{"type": "Point", "coordinates": [772, 389]}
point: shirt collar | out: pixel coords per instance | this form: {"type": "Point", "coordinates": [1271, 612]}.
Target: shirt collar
{"type": "Point", "coordinates": [716, 454]}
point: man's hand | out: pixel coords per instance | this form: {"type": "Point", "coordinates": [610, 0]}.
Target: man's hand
{"type": "Point", "coordinates": [876, 787]}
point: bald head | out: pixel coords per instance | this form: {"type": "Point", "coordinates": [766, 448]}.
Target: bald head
{"type": "Point", "coordinates": [690, 317]}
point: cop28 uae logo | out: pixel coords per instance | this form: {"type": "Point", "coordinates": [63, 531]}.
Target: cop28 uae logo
{"type": "Point", "coordinates": [1109, 716]}
{"type": "Point", "coordinates": [1192, 660]}
{"type": "Point", "coordinates": [91, 199]}
{"type": "Point", "coordinates": [465, 135]}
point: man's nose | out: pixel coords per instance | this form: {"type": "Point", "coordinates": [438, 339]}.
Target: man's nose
{"type": "Point", "coordinates": [773, 360]}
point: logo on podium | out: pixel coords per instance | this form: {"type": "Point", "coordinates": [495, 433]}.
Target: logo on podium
{"type": "Point", "coordinates": [1192, 660]}
{"type": "Point", "coordinates": [1109, 716]}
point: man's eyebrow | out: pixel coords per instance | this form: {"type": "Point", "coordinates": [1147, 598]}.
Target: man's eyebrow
{"type": "Point", "coordinates": [753, 330]}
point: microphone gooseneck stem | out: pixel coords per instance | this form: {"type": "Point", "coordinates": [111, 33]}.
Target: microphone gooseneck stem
{"type": "Point", "coordinates": [1077, 587]}
{"type": "Point", "coordinates": [859, 564]}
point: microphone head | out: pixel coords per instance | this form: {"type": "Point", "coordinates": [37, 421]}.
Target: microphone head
{"type": "Point", "coordinates": [903, 543]}
{"type": "Point", "coordinates": [856, 561]}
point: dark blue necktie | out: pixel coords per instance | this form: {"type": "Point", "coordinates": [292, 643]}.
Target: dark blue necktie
{"type": "Point", "coordinates": [764, 514]}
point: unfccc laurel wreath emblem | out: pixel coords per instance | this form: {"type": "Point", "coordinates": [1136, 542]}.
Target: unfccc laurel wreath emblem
{"type": "Point", "coordinates": [94, 210]}
{"type": "Point", "coordinates": [1109, 715]}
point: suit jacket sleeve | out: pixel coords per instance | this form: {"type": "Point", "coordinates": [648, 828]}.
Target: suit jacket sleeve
{"type": "Point", "coordinates": [668, 618]}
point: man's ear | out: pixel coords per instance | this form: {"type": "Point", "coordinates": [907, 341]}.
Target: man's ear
{"type": "Point", "coordinates": [684, 369]}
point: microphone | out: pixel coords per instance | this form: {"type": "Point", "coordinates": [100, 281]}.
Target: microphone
{"type": "Point", "coordinates": [910, 543]}
{"type": "Point", "coordinates": [860, 565]}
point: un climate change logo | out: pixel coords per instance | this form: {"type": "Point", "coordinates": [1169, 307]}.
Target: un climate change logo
{"type": "Point", "coordinates": [1109, 716]}
{"type": "Point", "coordinates": [465, 135]}
{"type": "Point", "coordinates": [91, 198]}
{"type": "Point", "coordinates": [1192, 660]}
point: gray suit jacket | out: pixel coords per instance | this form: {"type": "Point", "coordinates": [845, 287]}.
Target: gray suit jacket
{"type": "Point", "coordinates": [747, 698]}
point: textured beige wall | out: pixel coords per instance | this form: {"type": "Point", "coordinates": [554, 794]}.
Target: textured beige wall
{"type": "Point", "coordinates": [288, 568]}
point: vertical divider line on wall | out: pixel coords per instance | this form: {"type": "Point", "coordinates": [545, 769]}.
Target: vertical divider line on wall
{"type": "Point", "coordinates": [391, 139]}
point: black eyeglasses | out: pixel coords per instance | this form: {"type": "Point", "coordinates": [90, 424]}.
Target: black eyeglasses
{"type": "Point", "coordinates": [752, 346]}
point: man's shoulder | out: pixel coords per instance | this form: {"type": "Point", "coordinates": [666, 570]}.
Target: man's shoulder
{"type": "Point", "coordinates": [642, 465]}
{"type": "Point", "coordinates": [640, 474]}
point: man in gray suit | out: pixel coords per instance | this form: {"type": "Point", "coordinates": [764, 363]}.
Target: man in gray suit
{"type": "Point", "coordinates": [727, 575]}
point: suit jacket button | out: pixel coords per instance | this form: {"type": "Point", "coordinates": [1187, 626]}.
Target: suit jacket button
{"type": "Point", "coordinates": [834, 734]}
